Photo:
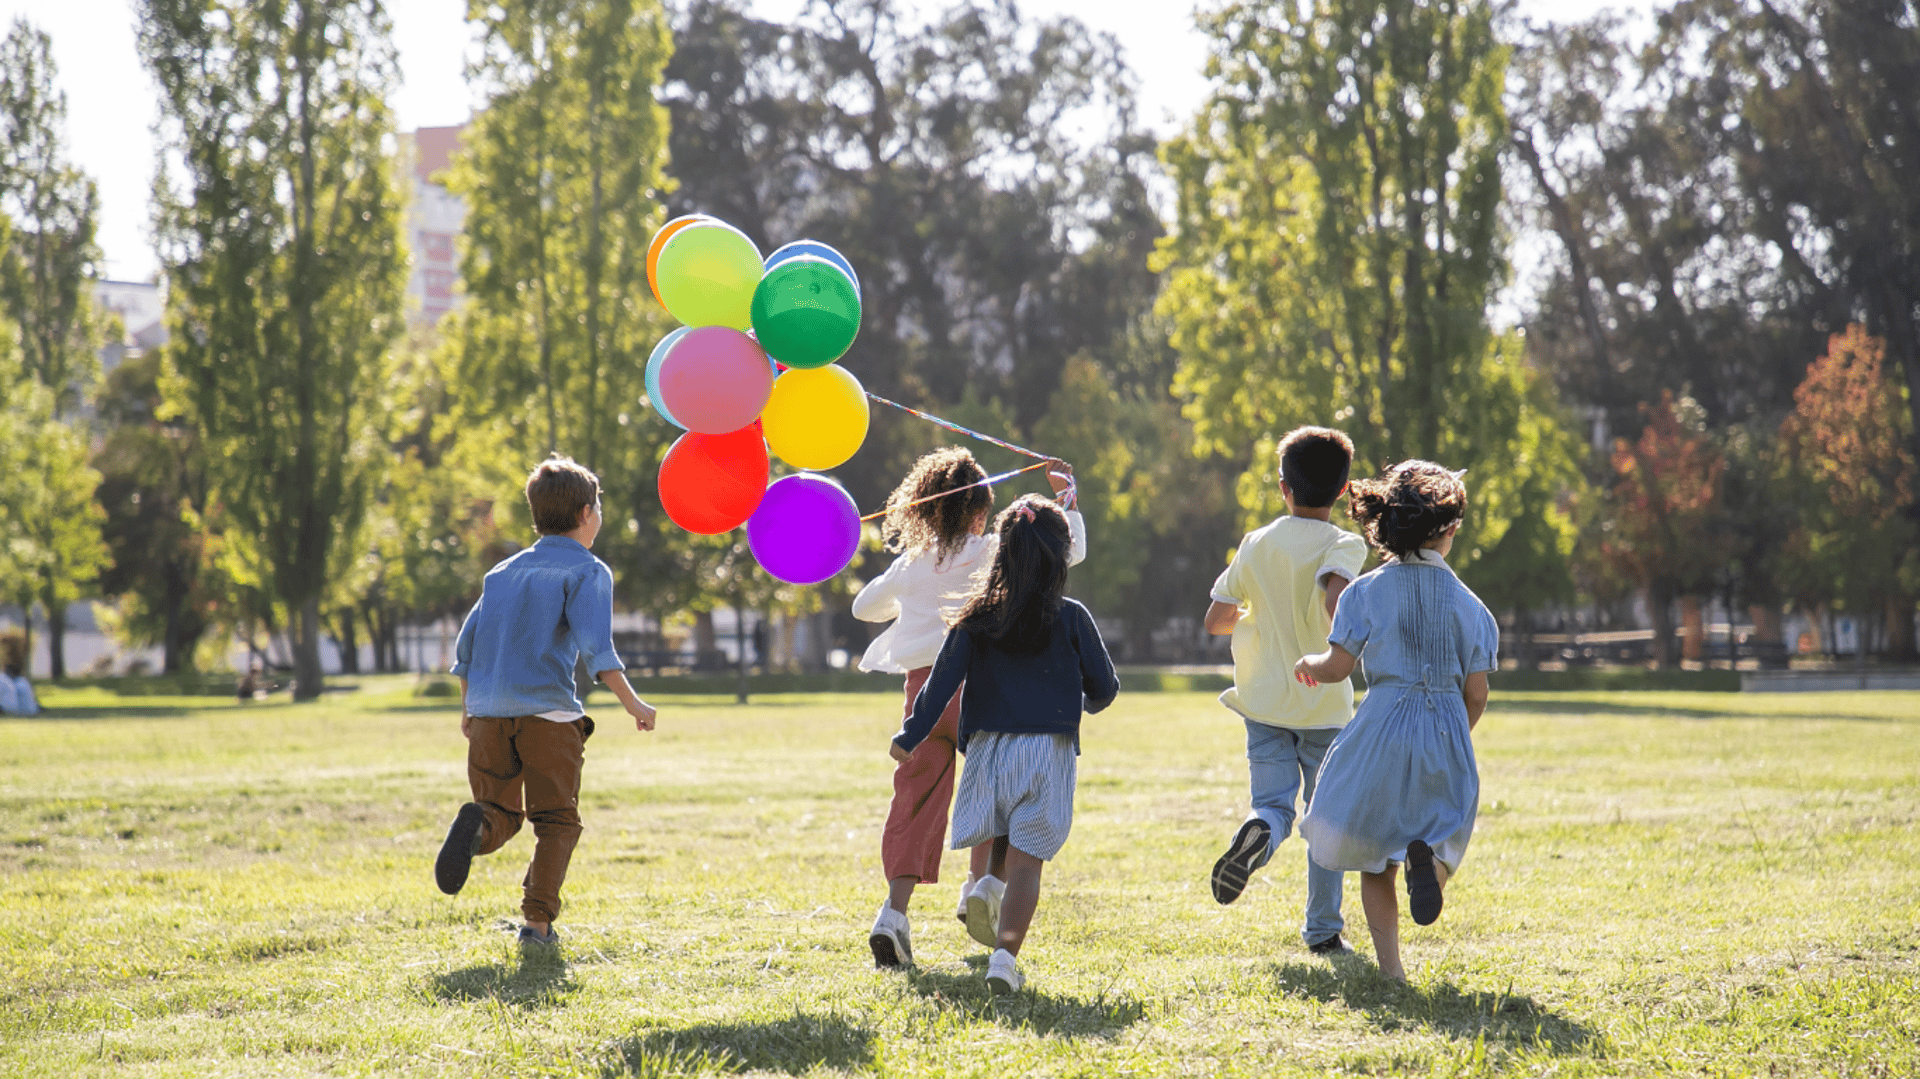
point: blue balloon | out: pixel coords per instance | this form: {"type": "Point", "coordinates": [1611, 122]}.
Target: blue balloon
{"type": "Point", "coordinates": [653, 373]}
{"type": "Point", "coordinates": [817, 250]}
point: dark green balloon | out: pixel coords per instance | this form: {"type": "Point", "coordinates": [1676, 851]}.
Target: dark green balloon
{"type": "Point", "coordinates": [806, 312]}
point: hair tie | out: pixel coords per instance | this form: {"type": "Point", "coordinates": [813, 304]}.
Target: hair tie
{"type": "Point", "coordinates": [1024, 510]}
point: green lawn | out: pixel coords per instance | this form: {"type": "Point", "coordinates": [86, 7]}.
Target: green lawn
{"type": "Point", "coordinates": [1661, 883]}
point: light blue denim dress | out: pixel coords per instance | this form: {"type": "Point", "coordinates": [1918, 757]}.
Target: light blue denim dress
{"type": "Point", "coordinates": [1403, 769]}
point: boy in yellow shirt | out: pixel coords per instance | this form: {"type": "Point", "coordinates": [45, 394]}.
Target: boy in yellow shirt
{"type": "Point", "coordinates": [1277, 599]}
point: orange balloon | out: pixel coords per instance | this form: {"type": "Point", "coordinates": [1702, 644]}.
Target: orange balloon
{"type": "Point", "coordinates": [659, 241]}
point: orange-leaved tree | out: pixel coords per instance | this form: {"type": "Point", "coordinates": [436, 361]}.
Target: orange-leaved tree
{"type": "Point", "coordinates": [1850, 463]}
{"type": "Point", "coordinates": [1666, 512]}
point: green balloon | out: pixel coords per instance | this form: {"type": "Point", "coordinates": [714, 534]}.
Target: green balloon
{"type": "Point", "coordinates": [707, 273]}
{"type": "Point", "coordinates": [806, 312]}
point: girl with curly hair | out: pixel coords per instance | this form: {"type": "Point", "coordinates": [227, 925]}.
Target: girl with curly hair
{"type": "Point", "coordinates": [937, 522]}
{"type": "Point", "coordinates": [1399, 785]}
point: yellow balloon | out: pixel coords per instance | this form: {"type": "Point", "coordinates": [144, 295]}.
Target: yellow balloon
{"type": "Point", "coordinates": [816, 418]}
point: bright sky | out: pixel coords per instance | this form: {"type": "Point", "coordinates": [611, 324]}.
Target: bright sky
{"type": "Point", "coordinates": [111, 105]}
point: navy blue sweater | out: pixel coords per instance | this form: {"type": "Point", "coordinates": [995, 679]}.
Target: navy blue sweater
{"type": "Point", "coordinates": [1040, 692]}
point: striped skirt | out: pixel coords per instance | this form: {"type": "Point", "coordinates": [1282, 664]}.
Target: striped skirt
{"type": "Point", "coordinates": [1019, 786]}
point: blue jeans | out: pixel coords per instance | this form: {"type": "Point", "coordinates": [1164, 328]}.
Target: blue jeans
{"type": "Point", "coordinates": [1284, 763]}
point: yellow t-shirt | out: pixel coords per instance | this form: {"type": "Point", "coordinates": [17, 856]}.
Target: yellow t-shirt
{"type": "Point", "coordinates": [1275, 577]}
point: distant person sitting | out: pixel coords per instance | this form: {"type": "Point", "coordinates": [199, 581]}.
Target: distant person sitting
{"type": "Point", "coordinates": [17, 697]}
{"type": "Point", "coordinates": [253, 686]}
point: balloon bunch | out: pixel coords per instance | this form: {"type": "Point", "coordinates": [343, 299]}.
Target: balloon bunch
{"type": "Point", "coordinates": [753, 371]}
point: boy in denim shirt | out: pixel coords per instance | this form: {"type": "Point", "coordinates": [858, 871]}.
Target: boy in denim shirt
{"type": "Point", "coordinates": [539, 612]}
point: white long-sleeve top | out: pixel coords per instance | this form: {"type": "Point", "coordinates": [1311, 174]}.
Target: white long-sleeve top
{"type": "Point", "coordinates": [920, 592]}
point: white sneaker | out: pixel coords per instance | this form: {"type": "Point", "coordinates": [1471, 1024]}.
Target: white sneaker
{"type": "Point", "coordinates": [1003, 973]}
{"type": "Point", "coordinates": [960, 908]}
{"type": "Point", "coordinates": [891, 939]}
{"type": "Point", "coordinates": [983, 910]}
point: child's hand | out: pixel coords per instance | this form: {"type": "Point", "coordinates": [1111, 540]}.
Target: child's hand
{"type": "Point", "coordinates": [642, 714]}
{"type": "Point", "coordinates": [1303, 674]}
{"type": "Point", "coordinates": [894, 751]}
{"type": "Point", "coordinates": [1059, 475]}
{"type": "Point", "coordinates": [466, 726]}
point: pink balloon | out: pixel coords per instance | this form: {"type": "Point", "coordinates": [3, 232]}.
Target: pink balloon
{"type": "Point", "coordinates": [715, 380]}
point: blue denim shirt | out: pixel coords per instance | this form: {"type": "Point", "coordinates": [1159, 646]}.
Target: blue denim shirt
{"type": "Point", "coordinates": [538, 612]}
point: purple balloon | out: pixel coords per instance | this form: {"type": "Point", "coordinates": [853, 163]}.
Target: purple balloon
{"type": "Point", "coordinates": [805, 530]}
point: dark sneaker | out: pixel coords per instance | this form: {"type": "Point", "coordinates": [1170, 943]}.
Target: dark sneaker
{"type": "Point", "coordinates": [1230, 873]}
{"type": "Point", "coordinates": [456, 854]}
{"type": "Point", "coordinates": [530, 935]}
{"type": "Point", "coordinates": [1333, 945]}
{"type": "Point", "coordinates": [1423, 884]}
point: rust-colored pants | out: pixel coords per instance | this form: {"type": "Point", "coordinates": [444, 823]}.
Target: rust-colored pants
{"type": "Point", "coordinates": [528, 768]}
{"type": "Point", "coordinates": [916, 832]}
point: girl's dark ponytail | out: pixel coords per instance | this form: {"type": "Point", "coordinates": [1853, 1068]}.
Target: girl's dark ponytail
{"type": "Point", "coordinates": [1014, 604]}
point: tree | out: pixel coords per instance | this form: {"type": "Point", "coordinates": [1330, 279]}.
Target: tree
{"type": "Point", "coordinates": [1813, 101]}
{"type": "Point", "coordinates": [153, 488]}
{"type": "Point", "coordinates": [1336, 243]}
{"type": "Point", "coordinates": [1852, 473]}
{"type": "Point", "coordinates": [282, 248]}
{"type": "Point", "coordinates": [562, 176]}
{"type": "Point", "coordinates": [983, 172]}
{"type": "Point", "coordinates": [1666, 527]}
{"type": "Point", "coordinates": [53, 206]}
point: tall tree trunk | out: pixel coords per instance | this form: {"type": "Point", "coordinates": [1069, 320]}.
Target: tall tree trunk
{"type": "Point", "coordinates": [1693, 630]}
{"type": "Point", "coordinates": [349, 644]}
{"type": "Point", "coordinates": [56, 634]}
{"type": "Point", "coordinates": [308, 679]}
{"type": "Point", "coordinates": [704, 642]}
{"type": "Point", "coordinates": [1900, 645]}
{"type": "Point", "coordinates": [1768, 643]}
{"type": "Point", "coordinates": [740, 651]}
{"type": "Point", "coordinates": [1660, 609]}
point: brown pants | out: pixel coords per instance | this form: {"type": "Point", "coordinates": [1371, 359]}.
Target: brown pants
{"type": "Point", "coordinates": [528, 768]}
{"type": "Point", "coordinates": [916, 832]}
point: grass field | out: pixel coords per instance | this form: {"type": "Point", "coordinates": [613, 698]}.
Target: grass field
{"type": "Point", "coordinates": [1661, 883]}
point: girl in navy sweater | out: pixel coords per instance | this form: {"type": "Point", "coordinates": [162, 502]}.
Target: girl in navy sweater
{"type": "Point", "coordinates": [1032, 661]}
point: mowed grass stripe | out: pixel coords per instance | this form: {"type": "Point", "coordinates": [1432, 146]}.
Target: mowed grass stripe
{"type": "Point", "coordinates": [1659, 882]}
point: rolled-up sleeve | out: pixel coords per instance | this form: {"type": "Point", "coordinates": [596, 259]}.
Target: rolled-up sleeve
{"type": "Point", "coordinates": [463, 647]}
{"type": "Point", "coordinates": [1076, 538]}
{"type": "Point", "coordinates": [590, 614]}
{"type": "Point", "coordinates": [1351, 628]}
{"type": "Point", "coordinates": [879, 601]}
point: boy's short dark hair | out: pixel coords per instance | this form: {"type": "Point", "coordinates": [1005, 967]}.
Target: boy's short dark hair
{"type": "Point", "coordinates": [558, 490]}
{"type": "Point", "coordinates": [1314, 462]}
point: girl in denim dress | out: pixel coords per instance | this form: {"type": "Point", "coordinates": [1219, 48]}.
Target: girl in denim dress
{"type": "Point", "coordinates": [1399, 786]}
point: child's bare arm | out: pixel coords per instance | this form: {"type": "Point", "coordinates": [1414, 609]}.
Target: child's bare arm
{"type": "Point", "coordinates": [1221, 618]}
{"type": "Point", "coordinates": [466, 721]}
{"type": "Point", "coordinates": [642, 712]}
{"type": "Point", "coordinates": [1334, 585]}
{"type": "Point", "coordinates": [1475, 693]}
{"type": "Point", "coordinates": [1331, 665]}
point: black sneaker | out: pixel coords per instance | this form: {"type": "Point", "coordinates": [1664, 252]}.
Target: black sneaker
{"type": "Point", "coordinates": [530, 935]}
{"type": "Point", "coordinates": [1423, 884]}
{"type": "Point", "coordinates": [456, 854]}
{"type": "Point", "coordinates": [1230, 873]}
{"type": "Point", "coordinates": [1333, 945]}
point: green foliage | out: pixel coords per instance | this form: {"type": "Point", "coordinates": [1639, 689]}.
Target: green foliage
{"type": "Point", "coordinates": [153, 490]}
{"type": "Point", "coordinates": [280, 234]}
{"type": "Point", "coordinates": [561, 174]}
{"type": "Point", "coordinates": [1851, 472]}
{"type": "Point", "coordinates": [1334, 252]}
{"type": "Point", "coordinates": [53, 206]}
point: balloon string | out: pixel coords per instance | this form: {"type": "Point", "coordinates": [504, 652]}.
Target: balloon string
{"type": "Point", "coordinates": [988, 482]}
{"type": "Point", "coordinates": [951, 426]}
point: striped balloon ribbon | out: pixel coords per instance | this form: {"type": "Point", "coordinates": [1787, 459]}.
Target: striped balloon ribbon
{"type": "Point", "coordinates": [988, 482]}
{"type": "Point", "coordinates": [951, 426]}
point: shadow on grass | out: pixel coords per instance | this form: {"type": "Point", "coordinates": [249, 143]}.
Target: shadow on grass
{"type": "Point", "coordinates": [1616, 708]}
{"type": "Point", "coordinates": [793, 1046]}
{"type": "Point", "coordinates": [539, 980]}
{"type": "Point", "coordinates": [1046, 1014]}
{"type": "Point", "coordinates": [120, 711]}
{"type": "Point", "coordinates": [1501, 1018]}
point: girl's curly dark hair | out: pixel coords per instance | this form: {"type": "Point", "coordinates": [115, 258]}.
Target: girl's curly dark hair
{"type": "Point", "coordinates": [1016, 599]}
{"type": "Point", "coordinates": [942, 524]}
{"type": "Point", "coordinates": [1408, 505]}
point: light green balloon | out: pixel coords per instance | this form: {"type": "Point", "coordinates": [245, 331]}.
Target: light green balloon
{"type": "Point", "coordinates": [707, 274]}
